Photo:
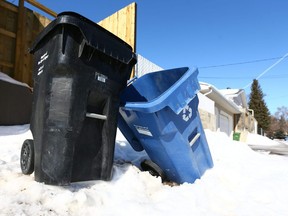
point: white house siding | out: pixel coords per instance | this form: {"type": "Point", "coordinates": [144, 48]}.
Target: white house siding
{"type": "Point", "coordinates": [206, 104]}
{"type": "Point", "coordinates": [207, 112]}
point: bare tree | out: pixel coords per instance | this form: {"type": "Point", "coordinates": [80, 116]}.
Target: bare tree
{"type": "Point", "coordinates": [279, 123]}
{"type": "Point", "coordinates": [282, 112]}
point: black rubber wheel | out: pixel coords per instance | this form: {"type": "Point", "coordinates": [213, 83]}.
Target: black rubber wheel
{"type": "Point", "coordinates": [153, 169]}
{"type": "Point", "coordinates": [27, 157]}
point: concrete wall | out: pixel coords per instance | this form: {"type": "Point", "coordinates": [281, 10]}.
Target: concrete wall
{"type": "Point", "coordinates": [245, 123]}
{"type": "Point", "coordinates": [208, 120]}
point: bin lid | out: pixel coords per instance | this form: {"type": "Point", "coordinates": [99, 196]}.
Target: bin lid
{"type": "Point", "coordinates": [176, 97]}
{"type": "Point", "coordinates": [96, 36]}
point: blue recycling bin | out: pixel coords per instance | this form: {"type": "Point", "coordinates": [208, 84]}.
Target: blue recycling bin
{"type": "Point", "coordinates": [159, 114]}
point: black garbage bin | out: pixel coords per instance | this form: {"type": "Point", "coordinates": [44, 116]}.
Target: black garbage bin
{"type": "Point", "coordinates": [79, 70]}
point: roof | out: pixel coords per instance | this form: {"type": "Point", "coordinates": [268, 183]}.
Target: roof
{"type": "Point", "coordinates": [237, 95]}
{"type": "Point", "coordinates": [214, 94]}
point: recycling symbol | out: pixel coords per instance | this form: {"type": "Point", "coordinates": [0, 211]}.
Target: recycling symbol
{"type": "Point", "coordinates": [187, 113]}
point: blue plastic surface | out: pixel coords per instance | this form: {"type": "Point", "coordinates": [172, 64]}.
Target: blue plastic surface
{"type": "Point", "coordinates": [159, 113]}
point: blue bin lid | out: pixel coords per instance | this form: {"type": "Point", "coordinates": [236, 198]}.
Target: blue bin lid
{"type": "Point", "coordinates": [176, 96]}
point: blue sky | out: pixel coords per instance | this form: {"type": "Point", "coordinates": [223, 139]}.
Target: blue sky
{"type": "Point", "coordinates": [219, 37]}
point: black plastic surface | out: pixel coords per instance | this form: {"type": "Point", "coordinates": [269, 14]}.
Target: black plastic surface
{"type": "Point", "coordinates": [79, 68]}
{"type": "Point", "coordinates": [27, 157]}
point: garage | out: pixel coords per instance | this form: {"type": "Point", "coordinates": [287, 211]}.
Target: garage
{"type": "Point", "coordinates": [225, 123]}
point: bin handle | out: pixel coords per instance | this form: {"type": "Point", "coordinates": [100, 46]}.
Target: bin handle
{"type": "Point", "coordinates": [194, 139]}
{"type": "Point", "coordinates": [96, 116]}
{"type": "Point", "coordinates": [132, 80]}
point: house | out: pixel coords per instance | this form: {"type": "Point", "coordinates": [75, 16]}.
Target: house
{"type": "Point", "coordinates": [246, 121]}
{"type": "Point", "coordinates": [226, 111]}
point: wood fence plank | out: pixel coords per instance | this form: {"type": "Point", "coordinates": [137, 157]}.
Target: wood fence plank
{"type": "Point", "coordinates": [7, 33]}
{"type": "Point", "coordinates": [19, 41]}
{"type": "Point", "coordinates": [8, 6]}
{"type": "Point", "coordinates": [42, 7]}
{"type": "Point", "coordinates": [123, 24]}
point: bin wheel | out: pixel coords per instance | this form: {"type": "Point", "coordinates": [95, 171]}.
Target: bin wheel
{"type": "Point", "coordinates": [27, 157]}
{"type": "Point", "coordinates": [153, 169]}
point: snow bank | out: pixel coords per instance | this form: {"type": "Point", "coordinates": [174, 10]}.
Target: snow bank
{"type": "Point", "coordinates": [254, 139]}
{"type": "Point", "coordinates": [242, 182]}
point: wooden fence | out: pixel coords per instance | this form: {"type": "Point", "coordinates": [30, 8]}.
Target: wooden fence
{"type": "Point", "coordinates": [19, 26]}
{"type": "Point", "coordinates": [123, 24]}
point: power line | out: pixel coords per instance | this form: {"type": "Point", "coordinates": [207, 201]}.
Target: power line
{"type": "Point", "coordinates": [268, 69]}
{"type": "Point", "coordinates": [275, 76]}
{"type": "Point", "coordinates": [221, 77]}
{"type": "Point", "coordinates": [248, 62]}
{"type": "Point", "coordinates": [240, 63]}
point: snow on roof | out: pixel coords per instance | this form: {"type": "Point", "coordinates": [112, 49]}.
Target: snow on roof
{"type": "Point", "coordinates": [238, 96]}
{"type": "Point", "coordinates": [214, 94]}
{"type": "Point", "coordinates": [229, 91]}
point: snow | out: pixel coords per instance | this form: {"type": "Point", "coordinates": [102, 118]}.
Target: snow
{"type": "Point", "coordinates": [7, 78]}
{"type": "Point", "coordinates": [242, 182]}
{"type": "Point", "coordinates": [255, 139]}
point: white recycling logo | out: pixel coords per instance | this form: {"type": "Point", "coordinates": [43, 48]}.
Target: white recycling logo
{"type": "Point", "coordinates": [187, 113]}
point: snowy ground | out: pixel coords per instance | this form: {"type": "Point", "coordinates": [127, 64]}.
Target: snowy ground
{"type": "Point", "coordinates": [242, 182]}
{"type": "Point", "coordinates": [258, 143]}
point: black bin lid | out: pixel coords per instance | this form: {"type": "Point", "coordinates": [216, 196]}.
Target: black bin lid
{"type": "Point", "coordinates": [96, 36]}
